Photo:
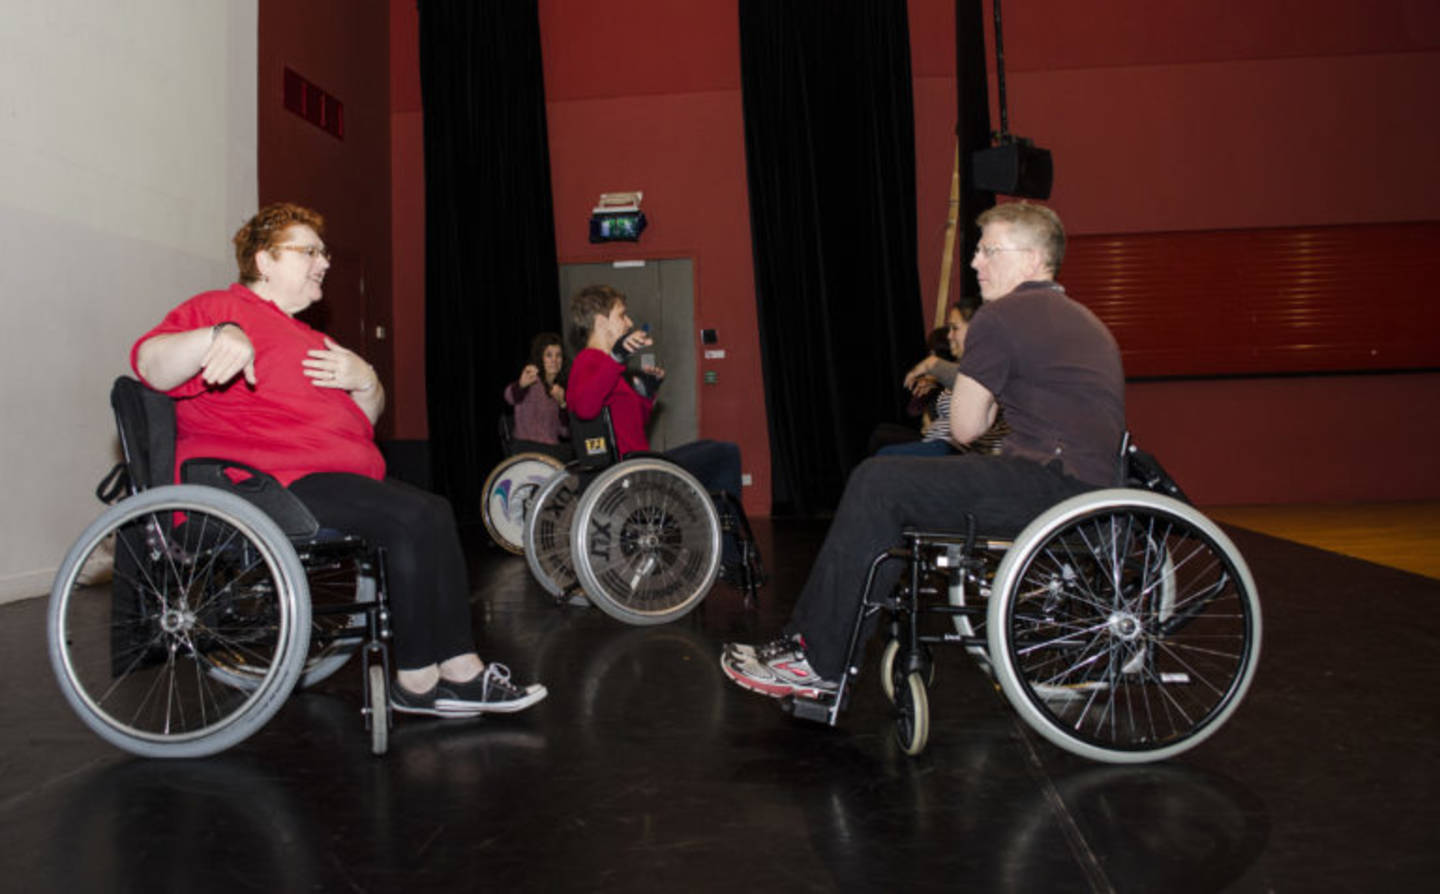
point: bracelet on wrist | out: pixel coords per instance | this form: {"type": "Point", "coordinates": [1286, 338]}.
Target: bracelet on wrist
{"type": "Point", "coordinates": [215, 330]}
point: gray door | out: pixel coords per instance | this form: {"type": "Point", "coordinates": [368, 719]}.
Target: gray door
{"type": "Point", "coordinates": [661, 293]}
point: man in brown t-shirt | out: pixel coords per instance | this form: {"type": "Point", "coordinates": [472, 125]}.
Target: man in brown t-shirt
{"type": "Point", "coordinates": [1053, 368]}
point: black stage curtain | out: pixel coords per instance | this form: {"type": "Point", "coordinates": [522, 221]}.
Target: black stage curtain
{"type": "Point", "coordinates": [829, 144]}
{"type": "Point", "coordinates": [491, 280]}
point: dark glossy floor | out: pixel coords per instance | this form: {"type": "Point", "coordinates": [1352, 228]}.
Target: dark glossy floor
{"type": "Point", "coordinates": [646, 771]}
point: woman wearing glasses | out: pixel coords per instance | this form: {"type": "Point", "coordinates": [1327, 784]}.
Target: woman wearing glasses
{"type": "Point", "coordinates": [255, 385]}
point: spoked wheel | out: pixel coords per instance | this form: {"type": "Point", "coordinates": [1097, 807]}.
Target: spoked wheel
{"type": "Point", "coordinates": [912, 706]}
{"type": "Point", "coordinates": [379, 711]}
{"type": "Point", "coordinates": [509, 492]}
{"type": "Point", "coordinates": [339, 576]}
{"type": "Point", "coordinates": [547, 532]}
{"type": "Point", "coordinates": [200, 576]}
{"type": "Point", "coordinates": [646, 541]}
{"type": "Point", "coordinates": [1124, 626]}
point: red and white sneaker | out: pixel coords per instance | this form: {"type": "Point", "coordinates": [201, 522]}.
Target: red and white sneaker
{"type": "Point", "coordinates": [776, 669]}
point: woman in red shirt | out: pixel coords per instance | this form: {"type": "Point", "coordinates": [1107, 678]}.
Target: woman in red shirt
{"type": "Point", "coordinates": [253, 384]}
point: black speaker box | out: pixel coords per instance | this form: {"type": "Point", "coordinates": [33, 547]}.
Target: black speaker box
{"type": "Point", "coordinates": [1013, 169]}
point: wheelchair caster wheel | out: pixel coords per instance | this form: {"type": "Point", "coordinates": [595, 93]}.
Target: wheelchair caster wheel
{"type": "Point", "coordinates": [893, 669]}
{"type": "Point", "coordinates": [912, 725]}
{"type": "Point", "coordinates": [379, 711]}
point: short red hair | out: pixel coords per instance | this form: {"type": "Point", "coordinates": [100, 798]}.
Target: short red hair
{"type": "Point", "coordinates": [266, 230]}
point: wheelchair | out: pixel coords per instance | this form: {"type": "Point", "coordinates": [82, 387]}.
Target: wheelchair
{"type": "Point", "coordinates": [509, 490]}
{"type": "Point", "coordinates": [1121, 624]}
{"type": "Point", "coordinates": [638, 537]}
{"type": "Point", "coordinates": [224, 597]}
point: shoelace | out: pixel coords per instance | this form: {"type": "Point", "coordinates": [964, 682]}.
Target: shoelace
{"type": "Point", "coordinates": [775, 648]}
{"type": "Point", "coordinates": [497, 675]}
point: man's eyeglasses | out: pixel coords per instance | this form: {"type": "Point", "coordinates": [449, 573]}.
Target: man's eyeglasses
{"type": "Point", "coordinates": [989, 251]}
{"type": "Point", "coordinates": [311, 251]}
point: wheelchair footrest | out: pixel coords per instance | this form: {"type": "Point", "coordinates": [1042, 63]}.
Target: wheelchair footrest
{"type": "Point", "coordinates": [816, 710]}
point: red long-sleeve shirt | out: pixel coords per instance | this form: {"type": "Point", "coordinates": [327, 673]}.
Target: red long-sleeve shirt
{"type": "Point", "coordinates": [597, 381]}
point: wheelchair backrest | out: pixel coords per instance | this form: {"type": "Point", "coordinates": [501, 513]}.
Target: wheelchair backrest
{"type": "Point", "coordinates": [145, 420]}
{"type": "Point", "coordinates": [1142, 470]}
{"type": "Point", "coordinates": [594, 439]}
{"type": "Point", "coordinates": [506, 428]}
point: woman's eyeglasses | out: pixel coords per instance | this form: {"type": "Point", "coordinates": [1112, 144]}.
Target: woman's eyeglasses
{"type": "Point", "coordinates": [311, 251]}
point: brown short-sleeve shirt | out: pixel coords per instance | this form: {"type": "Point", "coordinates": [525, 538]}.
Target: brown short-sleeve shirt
{"type": "Point", "coordinates": [1055, 371]}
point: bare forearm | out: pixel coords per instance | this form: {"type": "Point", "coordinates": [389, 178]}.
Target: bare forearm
{"type": "Point", "coordinates": [167, 361]}
{"type": "Point", "coordinates": [972, 410]}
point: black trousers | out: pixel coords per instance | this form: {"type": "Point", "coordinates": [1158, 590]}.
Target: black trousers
{"type": "Point", "coordinates": [425, 566]}
{"type": "Point", "coordinates": [888, 493]}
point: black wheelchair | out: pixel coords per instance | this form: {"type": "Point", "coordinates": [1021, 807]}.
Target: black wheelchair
{"type": "Point", "coordinates": [639, 537]}
{"type": "Point", "coordinates": [224, 597]}
{"type": "Point", "coordinates": [1121, 624]}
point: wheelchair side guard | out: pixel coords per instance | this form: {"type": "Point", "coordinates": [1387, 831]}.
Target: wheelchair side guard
{"type": "Point", "coordinates": [253, 486]}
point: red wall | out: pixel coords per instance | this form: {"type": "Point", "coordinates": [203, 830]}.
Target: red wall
{"type": "Point", "coordinates": [646, 96]}
{"type": "Point", "coordinates": [341, 47]}
{"type": "Point", "coordinates": [1227, 115]}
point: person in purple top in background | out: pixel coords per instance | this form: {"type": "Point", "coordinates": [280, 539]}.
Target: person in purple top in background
{"type": "Point", "coordinates": [538, 397]}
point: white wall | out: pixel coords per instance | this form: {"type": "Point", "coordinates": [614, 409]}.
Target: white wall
{"type": "Point", "coordinates": [127, 160]}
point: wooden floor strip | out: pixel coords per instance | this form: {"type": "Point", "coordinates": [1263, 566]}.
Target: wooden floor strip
{"type": "Point", "coordinates": [1400, 535]}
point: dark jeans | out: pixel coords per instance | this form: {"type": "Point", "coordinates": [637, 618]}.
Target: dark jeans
{"type": "Point", "coordinates": [888, 493]}
{"type": "Point", "coordinates": [917, 448]}
{"type": "Point", "coordinates": [425, 567]}
{"type": "Point", "coordinates": [717, 465]}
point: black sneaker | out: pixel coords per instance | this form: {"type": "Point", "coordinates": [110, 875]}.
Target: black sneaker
{"type": "Point", "coordinates": [490, 691]}
{"type": "Point", "coordinates": [407, 702]}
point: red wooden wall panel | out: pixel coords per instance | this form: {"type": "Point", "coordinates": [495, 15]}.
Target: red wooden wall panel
{"type": "Point", "coordinates": [1291, 300]}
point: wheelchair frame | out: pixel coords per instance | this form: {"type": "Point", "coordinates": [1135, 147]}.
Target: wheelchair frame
{"type": "Point", "coordinates": [211, 619]}
{"type": "Point", "coordinates": [1121, 624]}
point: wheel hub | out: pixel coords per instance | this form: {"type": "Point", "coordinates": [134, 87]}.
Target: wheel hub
{"type": "Point", "coordinates": [1125, 626]}
{"type": "Point", "coordinates": [176, 620]}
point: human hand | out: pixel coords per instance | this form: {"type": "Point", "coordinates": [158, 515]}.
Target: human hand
{"type": "Point", "coordinates": [529, 375]}
{"type": "Point", "coordinates": [337, 367]}
{"type": "Point", "coordinates": [230, 352]}
{"type": "Point", "coordinates": [923, 386]}
{"type": "Point", "coordinates": [629, 343]}
{"type": "Point", "coordinates": [656, 371]}
{"type": "Point", "coordinates": [918, 370]}
{"type": "Point", "coordinates": [557, 394]}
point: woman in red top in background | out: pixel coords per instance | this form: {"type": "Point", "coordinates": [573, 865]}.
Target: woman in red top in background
{"type": "Point", "coordinates": [253, 384]}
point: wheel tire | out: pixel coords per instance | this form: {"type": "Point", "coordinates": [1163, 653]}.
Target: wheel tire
{"type": "Point", "coordinates": [1137, 673]}
{"type": "Point", "coordinates": [379, 711]}
{"type": "Point", "coordinates": [912, 722]}
{"type": "Point", "coordinates": [509, 491]}
{"type": "Point", "coordinates": [547, 533]}
{"type": "Point", "coordinates": [225, 581]}
{"type": "Point", "coordinates": [645, 541]}
{"type": "Point", "coordinates": [893, 671]}
{"type": "Point", "coordinates": [887, 669]}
